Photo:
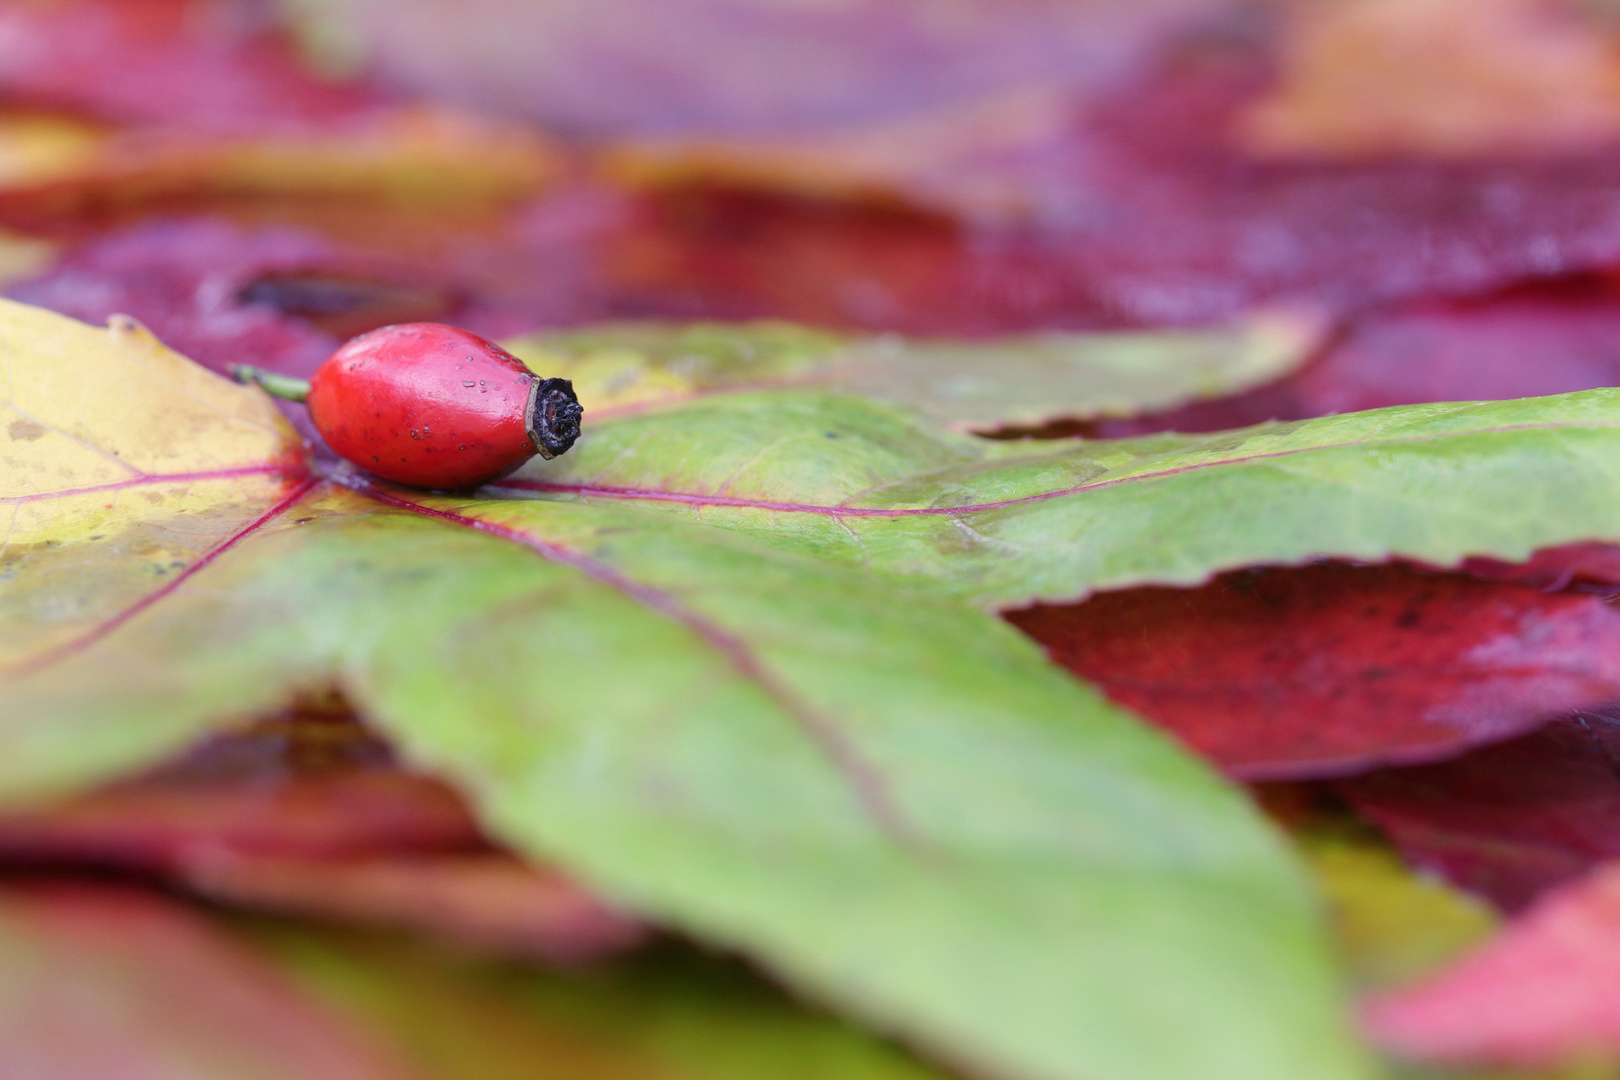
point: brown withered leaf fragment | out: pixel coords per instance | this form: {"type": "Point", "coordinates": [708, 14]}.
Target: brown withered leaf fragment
{"type": "Point", "coordinates": [1332, 669]}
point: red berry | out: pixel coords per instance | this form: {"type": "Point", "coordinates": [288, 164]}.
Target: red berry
{"type": "Point", "coordinates": [433, 406]}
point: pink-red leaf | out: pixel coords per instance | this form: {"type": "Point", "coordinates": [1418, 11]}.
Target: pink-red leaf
{"type": "Point", "coordinates": [113, 984]}
{"type": "Point", "coordinates": [190, 62]}
{"type": "Point", "coordinates": [1546, 991]}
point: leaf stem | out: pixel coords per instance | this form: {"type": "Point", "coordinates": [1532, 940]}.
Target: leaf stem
{"type": "Point", "coordinates": [281, 386]}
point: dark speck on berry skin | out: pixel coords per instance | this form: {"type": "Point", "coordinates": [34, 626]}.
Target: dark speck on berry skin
{"type": "Point", "coordinates": [832, 434]}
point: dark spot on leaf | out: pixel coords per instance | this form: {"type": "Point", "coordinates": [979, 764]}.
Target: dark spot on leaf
{"type": "Point", "coordinates": [25, 430]}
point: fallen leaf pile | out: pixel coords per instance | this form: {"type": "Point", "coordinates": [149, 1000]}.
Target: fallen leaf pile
{"type": "Point", "coordinates": [1092, 556]}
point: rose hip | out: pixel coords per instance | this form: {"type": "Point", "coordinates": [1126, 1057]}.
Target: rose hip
{"type": "Point", "coordinates": [433, 406]}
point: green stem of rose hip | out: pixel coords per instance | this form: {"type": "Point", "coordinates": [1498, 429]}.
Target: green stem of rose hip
{"type": "Point", "coordinates": [281, 386]}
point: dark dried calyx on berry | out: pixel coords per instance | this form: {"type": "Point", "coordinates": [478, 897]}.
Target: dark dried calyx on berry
{"type": "Point", "coordinates": [552, 416]}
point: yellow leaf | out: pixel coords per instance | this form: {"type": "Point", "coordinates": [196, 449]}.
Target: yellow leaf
{"type": "Point", "coordinates": [416, 154]}
{"type": "Point", "coordinates": [107, 498]}
{"type": "Point", "coordinates": [1439, 78]}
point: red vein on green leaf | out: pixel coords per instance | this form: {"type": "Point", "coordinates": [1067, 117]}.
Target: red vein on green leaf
{"type": "Point", "coordinates": [148, 479]}
{"type": "Point", "coordinates": [867, 783]}
{"type": "Point", "coordinates": [101, 630]}
{"type": "Point", "coordinates": [609, 491]}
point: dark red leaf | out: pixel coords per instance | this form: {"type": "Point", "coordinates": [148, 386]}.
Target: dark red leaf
{"type": "Point", "coordinates": [1507, 821]}
{"type": "Point", "coordinates": [285, 297]}
{"type": "Point", "coordinates": [1552, 338]}
{"type": "Point", "coordinates": [307, 813]}
{"type": "Point", "coordinates": [1330, 669]}
{"type": "Point", "coordinates": [190, 282]}
{"type": "Point", "coordinates": [193, 63]}
{"type": "Point", "coordinates": [1553, 569]}
{"type": "Point", "coordinates": [1143, 210]}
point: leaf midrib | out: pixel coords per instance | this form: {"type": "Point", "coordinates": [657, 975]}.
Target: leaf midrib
{"type": "Point", "coordinates": [841, 510]}
{"type": "Point", "coordinates": [866, 782]}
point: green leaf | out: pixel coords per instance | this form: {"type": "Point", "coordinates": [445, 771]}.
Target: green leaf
{"type": "Point", "coordinates": [889, 797]}
{"type": "Point", "coordinates": [1015, 381]}
{"type": "Point", "coordinates": [883, 794]}
{"type": "Point", "coordinates": [1003, 523]}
